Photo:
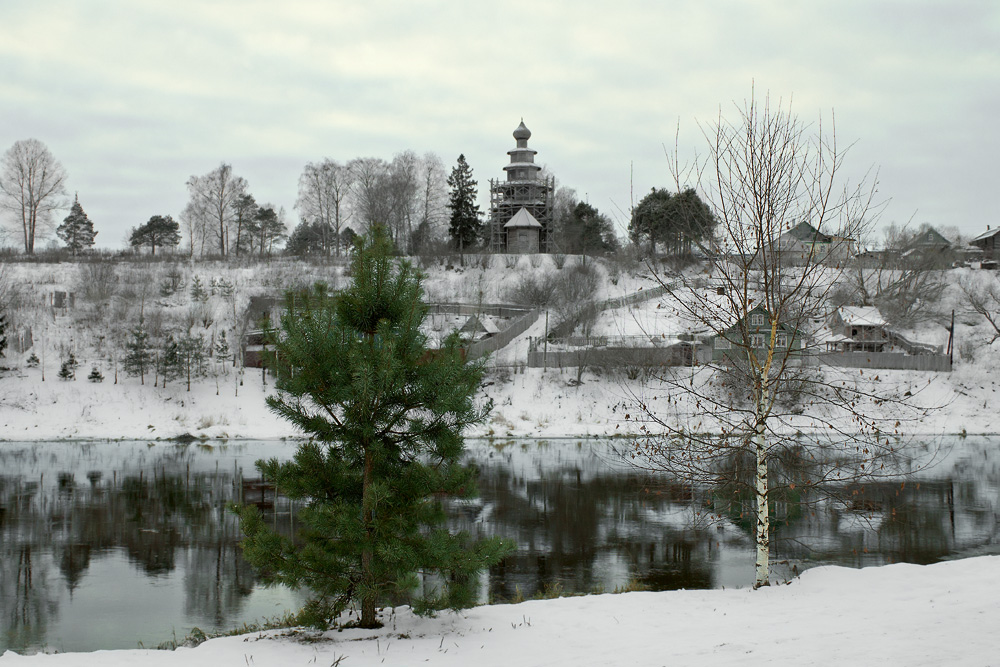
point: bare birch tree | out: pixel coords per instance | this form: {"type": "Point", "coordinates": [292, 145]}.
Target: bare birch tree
{"type": "Point", "coordinates": [368, 198]}
{"type": "Point", "coordinates": [32, 186]}
{"type": "Point", "coordinates": [214, 194]}
{"type": "Point", "coordinates": [323, 190]}
{"type": "Point", "coordinates": [433, 198]}
{"type": "Point", "coordinates": [763, 424]}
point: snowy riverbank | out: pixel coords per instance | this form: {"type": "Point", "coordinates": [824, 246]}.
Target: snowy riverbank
{"type": "Point", "coordinates": [898, 614]}
{"type": "Point", "coordinates": [530, 403]}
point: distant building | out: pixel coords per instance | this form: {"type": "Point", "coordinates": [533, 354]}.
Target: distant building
{"type": "Point", "coordinates": [857, 329]}
{"type": "Point", "coordinates": [987, 242]}
{"type": "Point", "coordinates": [803, 243]}
{"type": "Point", "coordinates": [752, 334]}
{"type": "Point", "coordinates": [524, 199]}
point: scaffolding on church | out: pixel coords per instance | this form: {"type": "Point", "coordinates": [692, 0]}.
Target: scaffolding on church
{"type": "Point", "coordinates": [522, 189]}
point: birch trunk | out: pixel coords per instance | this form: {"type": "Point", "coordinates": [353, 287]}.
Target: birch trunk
{"type": "Point", "coordinates": [763, 533]}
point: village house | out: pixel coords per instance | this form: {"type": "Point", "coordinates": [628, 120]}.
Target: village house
{"type": "Point", "coordinates": [857, 329]}
{"type": "Point", "coordinates": [987, 242]}
{"type": "Point", "coordinates": [752, 333]}
{"type": "Point", "coordinates": [803, 243]}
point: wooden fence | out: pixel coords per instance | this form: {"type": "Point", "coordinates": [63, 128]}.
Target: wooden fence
{"type": "Point", "coordinates": [887, 360]}
{"type": "Point", "coordinates": [566, 327]}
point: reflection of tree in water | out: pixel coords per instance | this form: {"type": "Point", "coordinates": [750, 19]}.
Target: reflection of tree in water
{"type": "Point", "coordinates": [159, 518]}
{"type": "Point", "coordinates": [216, 577]}
{"type": "Point", "coordinates": [27, 600]}
{"type": "Point", "coordinates": [572, 524]}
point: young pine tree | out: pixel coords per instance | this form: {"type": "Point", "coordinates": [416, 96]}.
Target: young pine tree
{"type": "Point", "coordinates": [386, 419]}
{"type": "Point", "coordinates": [138, 355]}
{"type": "Point", "coordinates": [66, 371]}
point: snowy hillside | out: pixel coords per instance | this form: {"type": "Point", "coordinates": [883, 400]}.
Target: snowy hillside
{"type": "Point", "coordinates": [104, 301]}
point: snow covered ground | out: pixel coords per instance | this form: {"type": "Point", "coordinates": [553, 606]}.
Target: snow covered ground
{"type": "Point", "coordinates": [528, 402]}
{"type": "Point", "coordinates": [943, 614]}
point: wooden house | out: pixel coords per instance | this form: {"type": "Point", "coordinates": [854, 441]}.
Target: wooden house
{"type": "Point", "coordinates": [752, 333]}
{"type": "Point", "coordinates": [987, 242]}
{"type": "Point", "coordinates": [804, 243]}
{"type": "Point", "coordinates": [857, 329]}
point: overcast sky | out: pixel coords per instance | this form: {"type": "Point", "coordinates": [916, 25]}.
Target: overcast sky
{"type": "Point", "coordinates": [135, 97]}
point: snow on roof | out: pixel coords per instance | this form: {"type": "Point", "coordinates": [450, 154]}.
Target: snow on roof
{"type": "Point", "coordinates": [522, 219]}
{"type": "Point", "coordinates": [807, 233]}
{"type": "Point", "coordinates": [985, 235]}
{"type": "Point", "coordinates": [864, 316]}
{"type": "Point", "coordinates": [483, 323]}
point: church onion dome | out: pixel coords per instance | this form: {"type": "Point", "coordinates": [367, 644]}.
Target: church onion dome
{"type": "Point", "coordinates": [522, 132]}
{"type": "Point", "coordinates": [523, 220]}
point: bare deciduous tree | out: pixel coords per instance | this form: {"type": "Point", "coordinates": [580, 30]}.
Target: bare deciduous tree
{"type": "Point", "coordinates": [370, 204]}
{"type": "Point", "coordinates": [433, 199]}
{"type": "Point", "coordinates": [32, 186]}
{"type": "Point", "coordinates": [213, 196]}
{"type": "Point", "coordinates": [982, 296]}
{"type": "Point", "coordinates": [387, 194]}
{"type": "Point", "coordinates": [323, 190]}
{"type": "Point", "coordinates": [761, 420]}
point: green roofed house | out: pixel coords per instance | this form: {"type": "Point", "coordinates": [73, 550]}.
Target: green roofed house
{"type": "Point", "coordinates": [752, 333]}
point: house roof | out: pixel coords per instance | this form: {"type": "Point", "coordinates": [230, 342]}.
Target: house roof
{"type": "Point", "coordinates": [482, 323]}
{"type": "Point", "coordinates": [985, 235]}
{"type": "Point", "coordinates": [929, 236]}
{"type": "Point", "coordinates": [861, 316]}
{"type": "Point", "coordinates": [807, 233]}
{"type": "Point", "coordinates": [523, 219]}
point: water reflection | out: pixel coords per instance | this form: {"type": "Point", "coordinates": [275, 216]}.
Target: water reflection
{"type": "Point", "coordinates": [107, 545]}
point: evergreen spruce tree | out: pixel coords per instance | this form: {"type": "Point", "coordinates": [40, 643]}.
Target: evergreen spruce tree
{"type": "Point", "coordinates": [386, 420]}
{"type": "Point", "coordinates": [77, 230]}
{"type": "Point", "coordinates": [138, 355]}
{"type": "Point", "coordinates": [3, 335]}
{"type": "Point", "coordinates": [222, 352]}
{"type": "Point", "coordinates": [95, 375]}
{"type": "Point", "coordinates": [66, 371]}
{"type": "Point", "coordinates": [465, 225]}
{"type": "Point", "coordinates": [32, 361]}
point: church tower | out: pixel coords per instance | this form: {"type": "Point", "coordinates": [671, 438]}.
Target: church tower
{"type": "Point", "coordinates": [524, 189]}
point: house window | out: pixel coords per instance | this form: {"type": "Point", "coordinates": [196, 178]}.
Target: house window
{"type": "Point", "coordinates": [782, 340]}
{"type": "Point", "coordinates": [757, 340]}
{"type": "Point", "coordinates": [722, 343]}
{"type": "Point", "coordinates": [757, 320]}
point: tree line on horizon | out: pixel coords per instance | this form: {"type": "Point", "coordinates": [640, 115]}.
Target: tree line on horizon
{"type": "Point", "coordinates": [423, 207]}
